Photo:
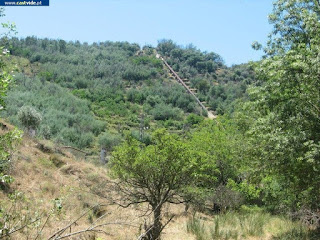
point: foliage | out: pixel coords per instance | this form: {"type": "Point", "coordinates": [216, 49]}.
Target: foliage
{"type": "Point", "coordinates": [65, 118]}
{"type": "Point", "coordinates": [111, 76]}
{"type": "Point", "coordinates": [194, 119]}
{"type": "Point", "coordinates": [249, 191]}
{"type": "Point", "coordinates": [223, 143]}
{"type": "Point", "coordinates": [108, 140]}
{"type": "Point", "coordinates": [5, 75]}
{"type": "Point", "coordinates": [220, 140]}
{"type": "Point", "coordinates": [29, 117]}
{"type": "Point", "coordinates": [9, 139]}
{"type": "Point", "coordinates": [18, 216]}
{"type": "Point", "coordinates": [164, 112]}
{"type": "Point", "coordinates": [284, 137]}
{"type": "Point", "coordinates": [7, 144]}
{"type": "Point", "coordinates": [218, 85]}
{"type": "Point", "coordinates": [5, 79]}
{"type": "Point", "coordinates": [157, 173]}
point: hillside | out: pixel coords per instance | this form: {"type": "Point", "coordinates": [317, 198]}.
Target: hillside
{"type": "Point", "coordinates": [89, 98]}
{"type": "Point", "coordinates": [58, 186]}
{"type": "Point", "coordinates": [84, 90]}
{"type": "Point", "coordinates": [113, 140]}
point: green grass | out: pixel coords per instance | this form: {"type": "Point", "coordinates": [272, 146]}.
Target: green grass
{"type": "Point", "coordinates": [244, 224]}
{"type": "Point", "coordinates": [46, 163]}
{"type": "Point", "coordinates": [196, 226]}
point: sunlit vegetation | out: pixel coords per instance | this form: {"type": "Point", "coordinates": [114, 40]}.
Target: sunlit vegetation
{"type": "Point", "coordinates": [251, 173]}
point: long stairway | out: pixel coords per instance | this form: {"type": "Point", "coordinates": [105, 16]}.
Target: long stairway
{"type": "Point", "coordinates": [185, 83]}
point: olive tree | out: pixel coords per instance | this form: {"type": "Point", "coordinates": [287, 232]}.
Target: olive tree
{"type": "Point", "coordinates": [30, 119]}
{"type": "Point", "coordinates": [107, 141]}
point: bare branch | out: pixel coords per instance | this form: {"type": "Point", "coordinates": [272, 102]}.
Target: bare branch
{"type": "Point", "coordinates": [45, 223]}
{"type": "Point", "coordinates": [61, 231]}
{"type": "Point", "coordinates": [94, 229]}
{"type": "Point", "coordinates": [20, 228]}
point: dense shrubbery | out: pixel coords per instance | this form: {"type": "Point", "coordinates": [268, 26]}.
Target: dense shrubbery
{"type": "Point", "coordinates": [218, 85]}
{"type": "Point", "coordinates": [104, 71]}
{"type": "Point", "coordinates": [110, 75]}
{"type": "Point", "coordinates": [64, 117]}
{"type": "Point", "coordinates": [164, 112]}
{"type": "Point", "coordinates": [29, 118]}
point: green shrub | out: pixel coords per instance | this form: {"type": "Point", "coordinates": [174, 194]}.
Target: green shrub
{"type": "Point", "coordinates": [45, 132]}
{"type": "Point", "coordinates": [194, 119]}
{"type": "Point", "coordinates": [29, 117]}
{"type": "Point", "coordinates": [60, 111]}
{"type": "Point", "coordinates": [164, 112]}
{"type": "Point", "coordinates": [108, 140]}
{"type": "Point", "coordinates": [145, 137]}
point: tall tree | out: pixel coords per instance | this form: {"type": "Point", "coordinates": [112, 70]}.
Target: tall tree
{"type": "Point", "coordinates": [285, 136]}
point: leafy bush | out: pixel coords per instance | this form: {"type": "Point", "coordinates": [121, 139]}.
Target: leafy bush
{"type": "Point", "coordinates": [164, 112]}
{"type": "Point", "coordinates": [194, 119]}
{"type": "Point", "coordinates": [108, 140]}
{"type": "Point", "coordinates": [65, 118]}
{"type": "Point", "coordinates": [136, 74]}
{"type": "Point", "coordinates": [29, 117]}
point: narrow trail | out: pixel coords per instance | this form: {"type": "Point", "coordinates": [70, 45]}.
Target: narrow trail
{"type": "Point", "coordinates": [184, 83]}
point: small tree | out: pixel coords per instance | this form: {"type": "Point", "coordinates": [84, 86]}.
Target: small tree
{"type": "Point", "coordinates": [158, 173]}
{"type": "Point", "coordinates": [30, 119]}
{"type": "Point", "coordinates": [107, 141]}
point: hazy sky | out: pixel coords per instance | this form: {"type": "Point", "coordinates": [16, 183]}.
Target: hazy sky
{"type": "Point", "coordinates": [227, 27]}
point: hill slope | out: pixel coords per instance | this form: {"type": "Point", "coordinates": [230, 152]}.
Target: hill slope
{"type": "Point", "coordinates": [85, 90]}
{"type": "Point", "coordinates": [58, 187]}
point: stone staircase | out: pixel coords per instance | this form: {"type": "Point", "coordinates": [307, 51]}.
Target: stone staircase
{"type": "Point", "coordinates": [186, 84]}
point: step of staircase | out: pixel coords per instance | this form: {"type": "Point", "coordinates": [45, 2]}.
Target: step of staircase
{"type": "Point", "coordinates": [185, 82]}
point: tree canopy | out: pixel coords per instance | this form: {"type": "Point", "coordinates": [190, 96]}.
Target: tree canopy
{"type": "Point", "coordinates": [284, 136]}
{"type": "Point", "coordinates": [160, 172]}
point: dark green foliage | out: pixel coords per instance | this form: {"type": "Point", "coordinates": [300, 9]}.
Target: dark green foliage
{"type": "Point", "coordinates": [194, 119]}
{"type": "Point", "coordinates": [281, 121]}
{"type": "Point", "coordinates": [106, 67]}
{"type": "Point", "coordinates": [142, 137]}
{"type": "Point", "coordinates": [110, 75]}
{"type": "Point", "coordinates": [136, 74]}
{"type": "Point", "coordinates": [147, 60]}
